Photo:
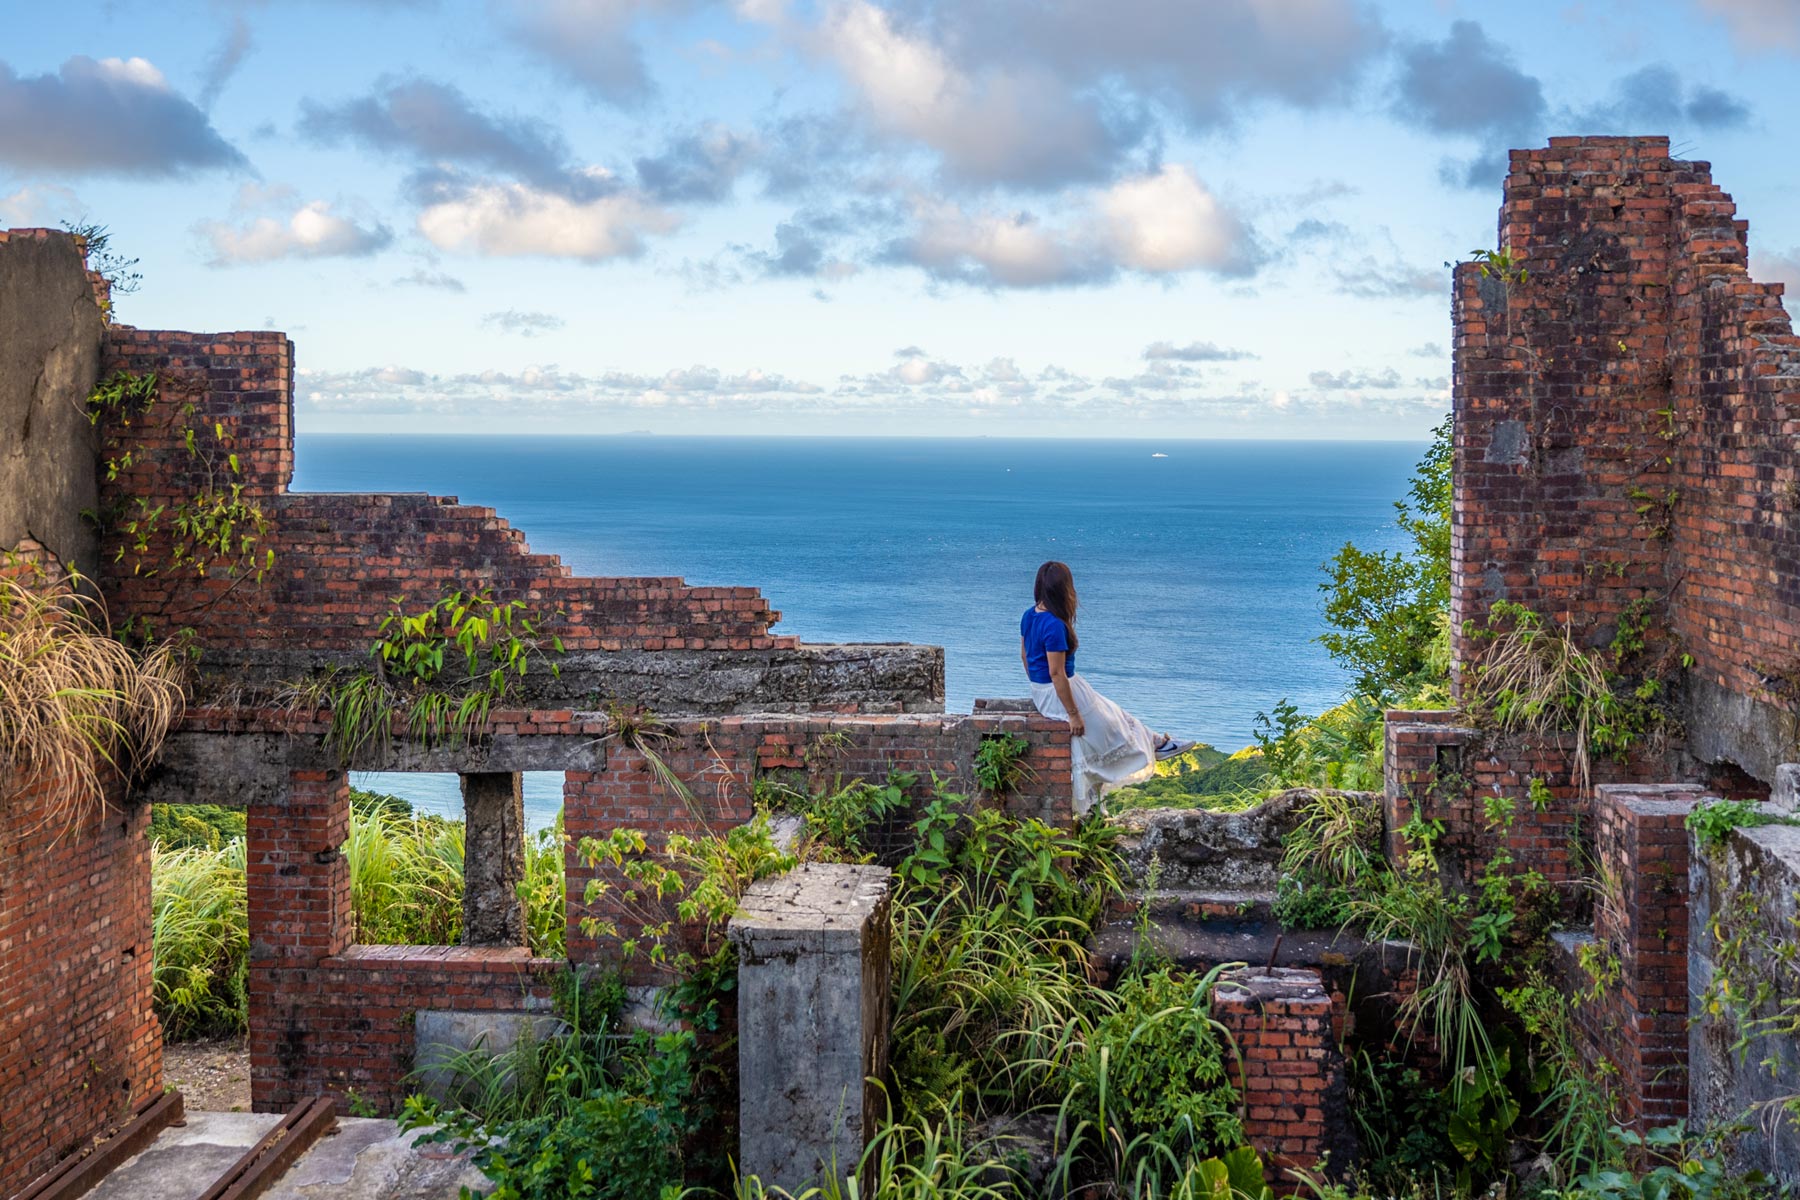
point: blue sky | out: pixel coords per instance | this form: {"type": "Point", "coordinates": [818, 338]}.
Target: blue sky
{"type": "Point", "coordinates": [1140, 218]}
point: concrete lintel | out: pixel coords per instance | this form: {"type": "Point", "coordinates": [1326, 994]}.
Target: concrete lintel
{"type": "Point", "coordinates": [874, 677]}
{"type": "Point", "coordinates": [238, 770]}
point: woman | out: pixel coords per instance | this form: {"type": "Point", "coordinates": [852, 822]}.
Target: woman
{"type": "Point", "coordinates": [1110, 747]}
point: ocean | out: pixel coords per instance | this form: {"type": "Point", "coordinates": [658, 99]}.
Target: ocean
{"type": "Point", "coordinates": [1197, 562]}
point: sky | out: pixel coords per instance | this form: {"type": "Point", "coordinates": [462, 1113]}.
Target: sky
{"type": "Point", "coordinates": [1082, 218]}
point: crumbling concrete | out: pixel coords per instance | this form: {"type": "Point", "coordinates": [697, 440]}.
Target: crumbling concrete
{"type": "Point", "coordinates": [813, 966]}
{"type": "Point", "coordinates": [493, 859]}
{"type": "Point", "coordinates": [1743, 910]}
{"type": "Point", "coordinates": [50, 328]}
{"type": "Point", "coordinates": [1195, 849]}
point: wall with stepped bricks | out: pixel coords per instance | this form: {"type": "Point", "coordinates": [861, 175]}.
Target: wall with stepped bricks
{"type": "Point", "coordinates": [341, 562]}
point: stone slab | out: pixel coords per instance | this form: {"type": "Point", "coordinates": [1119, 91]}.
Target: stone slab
{"type": "Point", "coordinates": [366, 1159]}
{"type": "Point", "coordinates": [440, 1035]}
{"type": "Point", "coordinates": [815, 908]}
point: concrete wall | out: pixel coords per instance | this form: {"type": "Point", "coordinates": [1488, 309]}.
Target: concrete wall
{"type": "Point", "coordinates": [1744, 917]}
{"type": "Point", "coordinates": [50, 331]}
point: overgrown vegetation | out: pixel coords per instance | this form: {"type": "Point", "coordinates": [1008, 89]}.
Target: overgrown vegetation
{"type": "Point", "coordinates": [436, 675]}
{"type": "Point", "coordinates": [214, 529]}
{"type": "Point", "coordinates": [76, 705]}
{"type": "Point", "coordinates": [994, 1014]}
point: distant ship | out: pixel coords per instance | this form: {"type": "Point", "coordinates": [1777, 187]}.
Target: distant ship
{"type": "Point", "coordinates": [1159, 454]}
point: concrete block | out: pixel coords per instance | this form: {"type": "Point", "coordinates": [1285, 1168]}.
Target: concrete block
{"type": "Point", "coordinates": [440, 1035]}
{"type": "Point", "coordinates": [1785, 796]}
{"type": "Point", "coordinates": [813, 964]}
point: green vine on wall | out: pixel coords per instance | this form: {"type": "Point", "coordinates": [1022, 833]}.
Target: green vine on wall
{"type": "Point", "coordinates": [212, 531]}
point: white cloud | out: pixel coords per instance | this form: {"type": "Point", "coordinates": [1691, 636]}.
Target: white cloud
{"type": "Point", "coordinates": [311, 231]}
{"type": "Point", "coordinates": [1163, 223]}
{"type": "Point", "coordinates": [1016, 123]}
{"type": "Point", "coordinates": [504, 220]}
{"type": "Point", "coordinates": [39, 205]}
{"type": "Point", "coordinates": [1170, 222]}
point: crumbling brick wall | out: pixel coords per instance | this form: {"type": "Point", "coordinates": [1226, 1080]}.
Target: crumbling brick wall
{"type": "Point", "coordinates": [1624, 431]}
{"type": "Point", "coordinates": [328, 1014]}
{"type": "Point", "coordinates": [341, 562]}
{"type": "Point", "coordinates": [1290, 1069]}
{"type": "Point", "coordinates": [80, 1049]}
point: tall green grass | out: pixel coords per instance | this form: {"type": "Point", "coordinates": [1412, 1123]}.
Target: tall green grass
{"type": "Point", "coordinates": [200, 939]}
{"type": "Point", "coordinates": [406, 886]}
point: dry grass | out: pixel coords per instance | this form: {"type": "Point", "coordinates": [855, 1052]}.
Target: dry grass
{"type": "Point", "coordinates": [75, 704]}
{"type": "Point", "coordinates": [1540, 683]}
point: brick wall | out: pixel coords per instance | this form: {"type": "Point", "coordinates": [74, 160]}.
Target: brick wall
{"type": "Point", "coordinates": [1443, 769]}
{"type": "Point", "coordinates": [341, 560]}
{"type": "Point", "coordinates": [326, 1014]}
{"type": "Point", "coordinates": [1640, 1022]}
{"type": "Point", "coordinates": [80, 1049]}
{"type": "Point", "coordinates": [1292, 1073]}
{"type": "Point", "coordinates": [1625, 427]}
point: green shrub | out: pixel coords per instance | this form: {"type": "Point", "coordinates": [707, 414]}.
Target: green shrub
{"type": "Point", "coordinates": [180, 826]}
{"type": "Point", "coordinates": [406, 878]}
{"type": "Point", "coordinates": [1153, 1075]}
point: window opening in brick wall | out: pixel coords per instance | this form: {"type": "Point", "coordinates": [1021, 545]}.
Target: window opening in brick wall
{"type": "Point", "coordinates": [437, 859]}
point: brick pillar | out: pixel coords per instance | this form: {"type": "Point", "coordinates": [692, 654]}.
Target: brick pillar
{"type": "Point", "coordinates": [299, 910]}
{"type": "Point", "coordinates": [1421, 750]}
{"type": "Point", "coordinates": [1292, 1073]}
{"type": "Point", "coordinates": [813, 963]}
{"type": "Point", "coordinates": [1641, 917]}
{"type": "Point", "coordinates": [493, 859]}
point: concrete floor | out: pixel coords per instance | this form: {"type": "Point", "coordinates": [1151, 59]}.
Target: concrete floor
{"type": "Point", "coordinates": [366, 1159]}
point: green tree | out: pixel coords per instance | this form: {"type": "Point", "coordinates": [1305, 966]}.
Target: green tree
{"type": "Point", "coordinates": [1389, 610]}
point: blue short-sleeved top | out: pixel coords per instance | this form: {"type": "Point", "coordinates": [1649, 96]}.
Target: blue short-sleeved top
{"type": "Point", "coordinates": [1044, 632]}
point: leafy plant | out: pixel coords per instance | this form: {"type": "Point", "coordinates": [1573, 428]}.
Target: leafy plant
{"type": "Point", "coordinates": [1000, 763]}
{"type": "Point", "coordinates": [1388, 611]}
{"type": "Point", "coordinates": [695, 880]}
{"type": "Point", "coordinates": [1711, 823]}
{"type": "Point", "coordinates": [838, 820]}
{"type": "Point", "coordinates": [1155, 1067]}
{"type": "Point", "coordinates": [440, 671]}
{"type": "Point", "coordinates": [625, 1140]}
{"type": "Point", "coordinates": [121, 273]}
{"type": "Point", "coordinates": [213, 529]}
{"type": "Point", "coordinates": [76, 705]}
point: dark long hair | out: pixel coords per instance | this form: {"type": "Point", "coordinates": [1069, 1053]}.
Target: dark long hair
{"type": "Point", "coordinates": [1055, 590]}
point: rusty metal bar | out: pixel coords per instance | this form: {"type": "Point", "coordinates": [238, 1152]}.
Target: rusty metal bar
{"type": "Point", "coordinates": [265, 1162]}
{"type": "Point", "coordinates": [78, 1173]}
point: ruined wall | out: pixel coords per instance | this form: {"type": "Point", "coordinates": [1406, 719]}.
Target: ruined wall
{"type": "Point", "coordinates": [1624, 431]}
{"type": "Point", "coordinates": [80, 1050]}
{"type": "Point", "coordinates": [328, 1014]}
{"type": "Point", "coordinates": [1745, 1054]}
{"type": "Point", "coordinates": [341, 560]}
{"type": "Point", "coordinates": [50, 332]}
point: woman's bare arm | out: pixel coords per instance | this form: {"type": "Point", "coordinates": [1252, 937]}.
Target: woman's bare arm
{"type": "Point", "coordinates": [1023, 661]}
{"type": "Point", "coordinates": [1059, 679]}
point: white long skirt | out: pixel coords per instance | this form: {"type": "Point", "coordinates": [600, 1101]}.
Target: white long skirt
{"type": "Point", "coordinates": [1116, 748]}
